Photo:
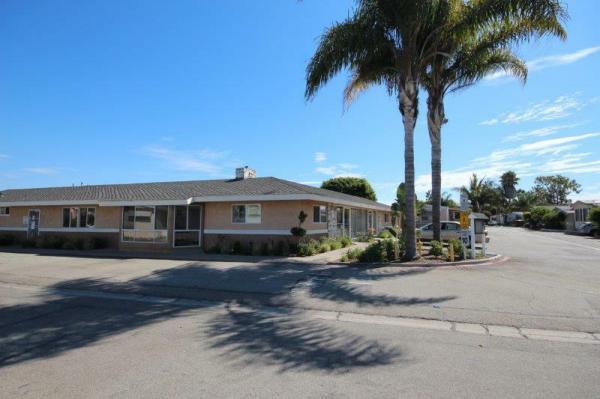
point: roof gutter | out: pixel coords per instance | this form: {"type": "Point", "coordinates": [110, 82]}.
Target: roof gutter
{"type": "Point", "coordinates": [212, 198]}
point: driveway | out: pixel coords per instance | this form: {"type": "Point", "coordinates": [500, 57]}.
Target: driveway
{"type": "Point", "coordinates": [552, 281]}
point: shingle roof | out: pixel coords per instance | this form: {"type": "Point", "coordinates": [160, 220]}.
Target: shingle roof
{"type": "Point", "coordinates": [176, 191]}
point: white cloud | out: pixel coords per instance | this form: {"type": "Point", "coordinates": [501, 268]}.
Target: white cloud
{"type": "Point", "coordinates": [489, 122]}
{"type": "Point", "coordinates": [320, 157]}
{"type": "Point", "coordinates": [204, 161]}
{"type": "Point", "coordinates": [339, 170]}
{"type": "Point", "coordinates": [537, 148]}
{"type": "Point", "coordinates": [560, 107]}
{"type": "Point", "coordinates": [550, 156]}
{"type": "Point", "coordinates": [42, 171]}
{"type": "Point", "coordinates": [551, 61]}
{"type": "Point", "coordinates": [542, 132]}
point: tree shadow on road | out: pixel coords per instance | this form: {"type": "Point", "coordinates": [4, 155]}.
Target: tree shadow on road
{"type": "Point", "coordinates": [65, 320]}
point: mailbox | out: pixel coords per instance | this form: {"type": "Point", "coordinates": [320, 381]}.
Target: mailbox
{"type": "Point", "coordinates": [480, 220]}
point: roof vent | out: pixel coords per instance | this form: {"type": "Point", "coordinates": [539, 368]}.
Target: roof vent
{"type": "Point", "coordinates": [245, 173]}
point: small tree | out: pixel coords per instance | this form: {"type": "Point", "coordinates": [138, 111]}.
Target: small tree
{"type": "Point", "coordinates": [298, 231]}
{"type": "Point", "coordinates": [351, 185]}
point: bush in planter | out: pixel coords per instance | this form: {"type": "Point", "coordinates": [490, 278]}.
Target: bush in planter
{"type": "Point", "coordinates": [392, 249]}
{"type": "Point", "coordinates": [29, 243]}
{"type": "Point", "coordinates": [237, 248]}
{"type": "Point", "coordinates": [437, 249]}
{"type": "Point", "coordinates": [7, 239]}
{"type": "Point", "coordinates": [97, 243]}
{"type": "Point", "coordinates": [51, 242]}
{"type": "Point", "coordinates": [298, 231]}
{"type": "Point", "coordinates": [457, 246]}
{"type": "Point", "coordinates": [376, 252]}
{"type": "Point", "coordinates": [324, 247]}
{"type": "Point", "coordinates": [265, 249]}
{"type": "Point", "coordinates": [354, 253]}
{"type": "Point", "coordinates": [307, 248]}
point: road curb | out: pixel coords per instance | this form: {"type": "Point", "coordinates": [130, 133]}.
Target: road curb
{"type": "Point", "coordinates": [561, 336]}
{"type": "Point", "coordinates": [493, 260]}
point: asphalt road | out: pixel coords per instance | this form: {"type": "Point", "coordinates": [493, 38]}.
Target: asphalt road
{"type": "Point", "coordinates": [58, 342]}
{"type": "Point", "coordinates": [59, 346]}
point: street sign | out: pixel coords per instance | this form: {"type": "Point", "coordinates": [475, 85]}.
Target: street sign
{"type": "Point", "coordinates": [464, 202]}
{"type": "Point", "coordinates": [464, 221]}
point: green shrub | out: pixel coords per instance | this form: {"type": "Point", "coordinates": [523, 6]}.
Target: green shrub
{"type": "Point", "coordinates": [392, 249]}
{"type": "Point", "coordinates": [324, 247]}
{"type": "Point", "coordinates": [70, 245]}
{"type": "Point", "coordinates": [354, 253]}
{"type": "Point", "coordinates": [344, 258]}
{"type": "Point", "coordinates": [345, 241]}
{"type": "Point", "coordinates": [51, 242]}
{"type": "Point", "coordinates": [237, 248]}
{"type": "Point", "coordinates": [265, 249]}
{"type": "Point", "coordinates": [594, 216]}
{"type": "Point", "coordinates": [298, 231]}
{"type": "Point", "coordinates": [375, 252]}
{"type": "Point", "coordinates": [307, 248]}
{"type": "Point", "coordinates": [7, 239]}
{"type": "Point", "coordinates": [392, 231]}
{"type": "Point", "coordinates": [335, 244]}
{"type": "Point", "coordinates": [437, 249]}
{"type": "Point", "coordinates": [554, 220]}
{"type": "Point", "coordinates": [283, 248]}
{"type": "Point", "coordinates": [536, 217]}
{"type": "Point", "coordinates": [385, 234]}
{"type": "Point", "coordinates": [29, 243]}
{"type": "Point", "coordinates": [457, 246]}
{"type": "Point", "coordinates": [98, 243]}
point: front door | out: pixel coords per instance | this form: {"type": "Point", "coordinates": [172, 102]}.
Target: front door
{"type": "Point", "coordinates": [33, 224]}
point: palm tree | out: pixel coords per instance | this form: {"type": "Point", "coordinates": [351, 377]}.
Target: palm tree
{"type": "Point", "coordinates": [478, 192]}
{"type": "Point", "coordinates": [477, 35]}
{"type": "Point", "coordinates": [508, 181]}
{"type": "Point", "coordinates": [383, 42]}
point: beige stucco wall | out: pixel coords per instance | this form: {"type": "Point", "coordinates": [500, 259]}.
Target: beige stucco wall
{"type": "Point", "coordinates": [275, 215]}
{"type": "Point", "coordinates": [51, 216]}
{"type": "Point", "coordinates": [15, 219]}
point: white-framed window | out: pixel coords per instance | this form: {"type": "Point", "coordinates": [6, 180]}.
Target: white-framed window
{"type": "Point", "coordinates": [320, 214]}
{"type": "Point", "coordinates": [246, 214]}
{"type": "Point", "coordinates": [4, 211]}
{"type": "Point", "coordinates": [79, 217]}
{"type": "Point", "coordinates": [146, 224]}
{"type": "Point", "coordinates": [386, 218]}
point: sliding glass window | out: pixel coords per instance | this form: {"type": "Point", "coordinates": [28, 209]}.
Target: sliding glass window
{"type": "Point", "coordinates": [145, 224]}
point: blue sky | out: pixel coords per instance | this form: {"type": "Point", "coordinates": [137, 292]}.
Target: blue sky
{"type": "Point", "coordinates": [128, 91]}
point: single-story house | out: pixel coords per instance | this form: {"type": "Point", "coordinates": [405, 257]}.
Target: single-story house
{"type": "Point", "coordinates": [204, 213]}
{"type": "Point", "coordinates": [582, 210]}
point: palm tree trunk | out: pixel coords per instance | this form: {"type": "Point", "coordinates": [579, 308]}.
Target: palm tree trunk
{"type": "Point", "coordinates": [408, 102]}
{"type": "Point", "coordinates": [435, 120]}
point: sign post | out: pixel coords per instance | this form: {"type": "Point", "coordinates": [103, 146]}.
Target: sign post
{"type": "Point", "coordinates": [464, 221]}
